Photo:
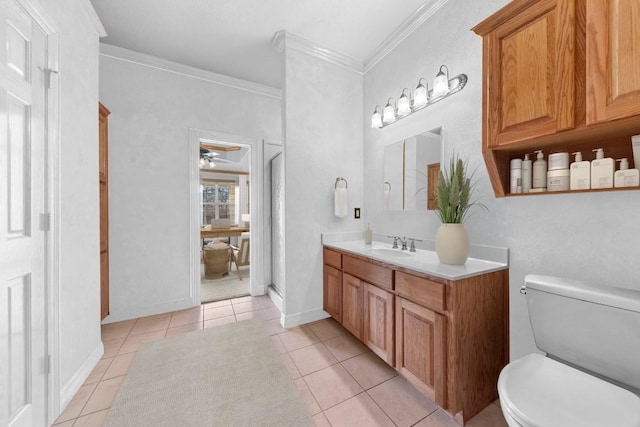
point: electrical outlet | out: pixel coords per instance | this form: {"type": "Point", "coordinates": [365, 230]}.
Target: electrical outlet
{"type": "Point", "coordinates": [356, 213]}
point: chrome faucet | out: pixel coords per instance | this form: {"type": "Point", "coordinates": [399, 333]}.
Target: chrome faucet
{"type": "Point", "coordinates": [404, 243]}
{"type": "Point", "coordinates": [413, 243]}
{"type": "Point", "coordinates": [395, 241]}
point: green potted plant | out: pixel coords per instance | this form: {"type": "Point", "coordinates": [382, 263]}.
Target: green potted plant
{"type": "Point", "coordinates": [454, 200]}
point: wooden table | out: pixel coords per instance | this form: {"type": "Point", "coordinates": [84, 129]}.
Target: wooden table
{"type": "Point", "coordinates": [221, 232]}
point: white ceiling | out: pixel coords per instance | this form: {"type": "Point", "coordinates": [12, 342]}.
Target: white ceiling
{"type": "Point", "coordinates": [233, 37]}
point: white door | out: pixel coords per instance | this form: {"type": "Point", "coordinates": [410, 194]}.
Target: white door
{"type": "Point", "coordinates": [277, 223]}
{"type": "Point", "coordinates": [23, 347]}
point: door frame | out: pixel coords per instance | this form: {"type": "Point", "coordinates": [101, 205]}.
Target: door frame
{"type": "Point", "coordinates": [272, 148]}
{"type": "Point", "coordinates": [52, 204]}
{"type": "Point", "coordinates": [257, 282]}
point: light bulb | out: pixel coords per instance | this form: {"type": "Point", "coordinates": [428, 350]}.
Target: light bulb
{"type": "Point", "coordinates": [212, 165]}
{"type": "Point", "coordinates": [420, 94]}
{"type": "Point", "coordinates": [441, 83]}
{"type": "Point", "coordinates": [201, 162]}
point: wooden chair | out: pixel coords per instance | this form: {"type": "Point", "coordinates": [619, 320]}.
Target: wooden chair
{"type": "Point", "coordinates": [240, 255]}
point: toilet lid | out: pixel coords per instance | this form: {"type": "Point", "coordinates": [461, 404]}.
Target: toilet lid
{"type": "Point", "coordinates": [538, 391]}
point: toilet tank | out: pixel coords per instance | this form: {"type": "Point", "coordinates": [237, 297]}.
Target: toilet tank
{"type": "Point", "coordinates": [591, 326]}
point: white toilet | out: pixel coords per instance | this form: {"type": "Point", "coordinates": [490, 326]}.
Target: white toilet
{"type": "Point", "coordinates": [591, 373]}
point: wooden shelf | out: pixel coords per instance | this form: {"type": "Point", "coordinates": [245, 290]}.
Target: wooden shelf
{"type": "Point", "coordinates": [593, 190]}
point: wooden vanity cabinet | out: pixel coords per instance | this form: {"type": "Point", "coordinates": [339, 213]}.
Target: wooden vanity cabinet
{"type": "Point", "coordinates": [449, 338]}
{"type": "Point", "coordinates": [559, 76]}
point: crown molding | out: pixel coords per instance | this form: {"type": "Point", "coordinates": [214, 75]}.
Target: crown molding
{"type": "Point", "coordinates": [282, 39]}
{"type": "Point", "coordinates": [150, 61]}
{"type": "Point", "coordinates": [404, 30]}
{"type": "Point", "coordinates": [94, 18]}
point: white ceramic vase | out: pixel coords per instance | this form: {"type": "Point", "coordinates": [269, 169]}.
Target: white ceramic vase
{"type": "Point", "coordinates": [452, 244]}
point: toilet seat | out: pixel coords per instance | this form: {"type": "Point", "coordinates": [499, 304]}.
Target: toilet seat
{"type": "Point", "coordinates": [538, 391]}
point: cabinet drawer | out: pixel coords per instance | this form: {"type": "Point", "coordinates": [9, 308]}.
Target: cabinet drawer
{"type": "Point", "coordinates": [369, 272]}
{"type": "Point", "coordinates": [422, 291]}
{"type": "Point", "coordinates": [333, 258]}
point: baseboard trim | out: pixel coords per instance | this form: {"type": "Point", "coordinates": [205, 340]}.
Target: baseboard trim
{"type": "Point", "coordinates": [275, 297]}
{"type": "Point", "coordinates": [297, 319]}
{"type": "Point", "coordinates": [150, 310]}
{"type": "Point", "coordinates": [73, 385]}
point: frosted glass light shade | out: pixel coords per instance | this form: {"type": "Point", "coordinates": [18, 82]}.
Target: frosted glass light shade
{"type": "Point", "coordinates": [420, 96]}
{"type": "Point", "coordinates": [376, 120]}
{"type": "Point", "coordinates": [404, 105]}
{"type": "Point", "coordinates": [389, 114]}
{"type": "Point", "coordinates": [441, 83]}
{"type": "Point", "coordinates": [202, 162]}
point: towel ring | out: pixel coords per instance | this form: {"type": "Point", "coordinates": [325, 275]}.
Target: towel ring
{"type": "Point", "coordinates": [387, 183]}
{"type": "Point", "coordinates": [338, 179]}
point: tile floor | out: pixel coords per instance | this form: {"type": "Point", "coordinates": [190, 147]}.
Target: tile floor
{"type": "Point", "coordinates": [339, 379]}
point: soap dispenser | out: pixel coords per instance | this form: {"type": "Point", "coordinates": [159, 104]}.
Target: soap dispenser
{"type": "Point", "coordinates": [626, 177]}
{"type": "Point", "coordinates": [580, 173]}
{"type": "Point", "coordinates": [526, 174]}
{"type": "Point", "coordinates": [368, 235]}
{"type": "Point", "coordinates": [540, 172]}
{"type": "Point", "coordinates": [602, 169]}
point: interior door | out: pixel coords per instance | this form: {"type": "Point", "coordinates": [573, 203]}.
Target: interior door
{"type": "Point", "coordinates": [23, 370]}
{"type": "Point", "coordinates": [277, 223]}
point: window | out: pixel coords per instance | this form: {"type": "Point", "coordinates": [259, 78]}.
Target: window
{"type": "Point", "coordinates": [217, 201]}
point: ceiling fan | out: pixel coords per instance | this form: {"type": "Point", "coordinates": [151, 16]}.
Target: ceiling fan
{"type": "Point", "coordinates": [208, 156]}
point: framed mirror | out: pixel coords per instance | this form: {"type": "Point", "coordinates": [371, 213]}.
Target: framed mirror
{"type": "Point", "coordinates": [411, 169]}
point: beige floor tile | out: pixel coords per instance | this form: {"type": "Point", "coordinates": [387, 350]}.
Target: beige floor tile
{"type": "Point", "coordinates": [327, 328]}
{"type": "Point", "coordinates": [438, 419]}
{"type": "Point", "coordinates": [258, 315]}
{"type": "Point", "coordinates": [273, 326]}
{"type": "Point", "coordinates": [298, 337]}
{"type": "Point", "coordinates": [218, 312]}
{"type": "Point", "coordinates": [215, 304]}
{"type": "Point", "coordinates": [145, 325]}
{"type": "Point", "coordinates": [241, 300]}
{"type": "Point", "coordinates": [369, 370]}
{"type": "Point", "coordinates": [278, 344]}
{"type": "Point", "coordinates": [345, 347]}
{"type": "Point", "coordinates": [402, 402]}
{"type": "Point", "coordinates": [219, 321]}
{"type": "Point", "coordinates": [307, 397]}
{"type": "Point", "coordinates": [92, 420]}
{"type": "Point", "coordinates": [244, 307]}
{"type": "Point", "coordinates": [66, 423]}
{"type": "Point", "coordinates": [132, 343]}
{"type": "Point", "coordinates": [111, 347]}
{"type": "Point", "coordinates": [332, 385]}
{"type": "Point", "coordinates": [185, 318]}
{"type": "Point", "coordinates": [321, 420]}
{"type": "Point", "coordinates": [74, 408]}
{"type": "Point", "coordinates": [272, 313]}
{"type": "Point", "coordinates": [103, 395]}
{"type": "Point", "coordinates": [113, 331]}
{"type": "Point", "coordinates": [312, 358]}
{"type": "Point", "coordinates": [491, 416]}
{"type": "Point", "coordinates": [99, 370]}
{"type": "Point", "coordinates": [265, 301]}
{"type": "Point", "coordinates": [184, 328]}
{"type": "Point", "coordinates": [291, 367]}
{"type": "Point", "coordinates": [359, 411]}
{"type": "Point", "coordinates": [119, 366]}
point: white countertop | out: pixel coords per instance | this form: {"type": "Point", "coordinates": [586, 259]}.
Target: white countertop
{"type": "Point", "coordinates": [421, 260]}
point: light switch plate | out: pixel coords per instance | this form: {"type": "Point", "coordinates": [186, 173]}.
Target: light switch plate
{"type": "Point", "coordinates": [356, 213]}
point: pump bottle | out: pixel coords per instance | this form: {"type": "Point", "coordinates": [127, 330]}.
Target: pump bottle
{"type": "Point", "coordinates": [602, 169]}
{"type": "Point", "coordinates": [540, 171]}
{"type": "Point", "coordinates": [526, 174]}
{"type": "Point", "coordinates": [580, 173]}
{"type": "Point", "coordinates": [626, 177]}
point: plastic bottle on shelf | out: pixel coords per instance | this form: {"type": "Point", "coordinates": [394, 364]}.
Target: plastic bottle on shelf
{"type": "Point", "coordinates": [527, 165]}
{"type": "Point", "coordinates": [602, 169]}
{"type": "Point", "coordinates": [626, 177]}
{"type": "Point", "coordinates": [539, 181]}
{"type": "Point", "coordinates": [580, 173]}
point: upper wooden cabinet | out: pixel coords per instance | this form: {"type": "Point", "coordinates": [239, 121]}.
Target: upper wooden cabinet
{"type": "Point", "coordinates": [559, 76]}
{"type": "Point", "coordinates": [613, 59]}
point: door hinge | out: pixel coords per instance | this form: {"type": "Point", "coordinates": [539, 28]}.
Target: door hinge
{"type": "Point", "coordinates": [47, 76]}
{"type": "Point", "coordinates": [45, 221]}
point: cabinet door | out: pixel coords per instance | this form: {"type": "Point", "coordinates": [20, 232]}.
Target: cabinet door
{"type": "Point", "coordinates": [613, 59]}
{"type": "Point", "coordinates": [352, 304]}
{"type": "Point", "coordinates": [420, 348]}
{"type": "Point", "coordinates": [529, 68]}
{"type": "Point", "coordinates": [378, 322]}
{"type": "Point", "coordinates": [332, 298]}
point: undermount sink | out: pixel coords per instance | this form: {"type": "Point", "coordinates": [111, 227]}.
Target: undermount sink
{"type": "Point", "coordinates": [390, 252]}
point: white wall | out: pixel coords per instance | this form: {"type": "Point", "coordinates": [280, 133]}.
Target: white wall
{"type": "Point", "coordinates": [322, 122]}
{"type": "Point", "coordinates": [78, 222]}
{"type": "Point", "coordinates": [152, 111]}
{"type": "Point", "coordinates": [584, 236]}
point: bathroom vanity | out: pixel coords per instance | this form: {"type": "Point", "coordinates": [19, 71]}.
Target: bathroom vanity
{"type": "Point", "coordinates": [444, 328]}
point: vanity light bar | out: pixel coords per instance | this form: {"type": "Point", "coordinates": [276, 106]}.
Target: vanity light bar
{"type": "Point", "coordinates": [422, 97]}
